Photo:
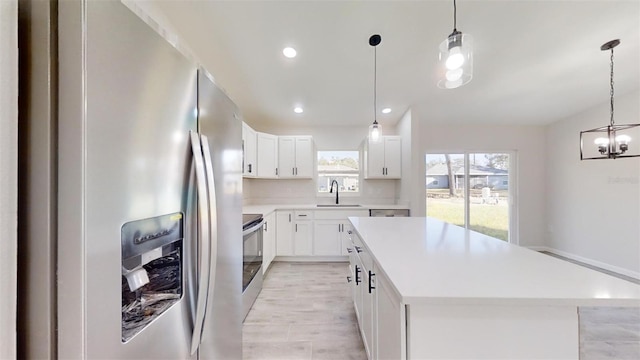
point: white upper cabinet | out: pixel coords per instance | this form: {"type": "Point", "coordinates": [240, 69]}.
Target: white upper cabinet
{"type": "Point", "coordinates": [383, 159]}
{"type": "Point", "coordinates": [249, 151]}
{"type": "Point", "coordinates": [267, 156]}
{"type": "Point", "coordinates": [295, 157]}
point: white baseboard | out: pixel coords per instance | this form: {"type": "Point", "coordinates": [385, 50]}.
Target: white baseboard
{"type": "Point", "coordinates": [596, 263]}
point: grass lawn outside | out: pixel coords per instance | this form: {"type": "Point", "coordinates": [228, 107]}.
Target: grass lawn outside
{"type": "Point", "coordinates": [492, 220]}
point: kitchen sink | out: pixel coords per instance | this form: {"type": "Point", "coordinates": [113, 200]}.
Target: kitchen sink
{"type": "Point", "coordinates": [338, 205]}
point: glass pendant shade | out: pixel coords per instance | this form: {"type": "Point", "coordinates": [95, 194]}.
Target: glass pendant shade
{"type": "Point", "coordinates": [610, 142]}
{"type": "Point", "coordinates": [455, 61]}
{"type": "Point", "coordinates": [375, 132]}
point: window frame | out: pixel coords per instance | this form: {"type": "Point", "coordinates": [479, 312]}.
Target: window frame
{"type": "Point", "coordinates": [342, 193]}
{"type": "Point", "coordinates": [512, 183]}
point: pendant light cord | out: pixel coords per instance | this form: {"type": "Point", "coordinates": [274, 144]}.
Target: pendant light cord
{"type": "Point", "coordinates": [375, 83]}
{"type": "Point", "coordinates": [454, 16]}
{"type": "Point", "coordinates": [612, 122]}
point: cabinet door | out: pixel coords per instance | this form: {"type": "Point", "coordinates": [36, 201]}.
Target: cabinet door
{"type": "Point", "coordinates": [326, 237]}
{"type": "Point", "coordinates": [390, 323]}
{"type": "Point", "coordinates": [375, 159]}
{"type": "Point", "coordinates": [368, 312]}
{"type": "Point", "coordinates": [267, 154]}
{"type": "Point", "coordinates": [269, 241]}
{"type": "Point", "coordinates": [393, 157]}
{"type": "Point", "coordinates": [284, 233]}
{"type": "Point", "coordinates": [304, 157]}
{"type": "Point", "coordinates": [303, 236]}
{"type": "Point", "coordinates": [286, 156]}
{"type": "Point", "coordinates": [249, 138]}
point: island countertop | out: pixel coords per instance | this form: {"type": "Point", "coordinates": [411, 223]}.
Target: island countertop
{"type": "Point", "coordinates": [432, 262]}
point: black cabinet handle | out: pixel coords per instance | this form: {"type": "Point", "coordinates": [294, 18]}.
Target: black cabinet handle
{"type": "Point", "coordinates": [249, 168]}
{"type": "Point", "coordinates": [276, 171]}
{"type": "Point", "coordinates": [296, 227]}
{"type": "Point", "coordinates": [265, 226]}
{"type": "Point", "coordinates": [358, 248]}
{"type": "Point", "coordinates": [349, 232]}
{"type": "Point", "coordinates": [349, 250]}
{"type": "Point", "coordinates": [348, 279]}
{"type": "Point", "coordinates": [358, 281]}
{"type": "Point", "coordinates": [371, 275]}
{"type": "Point", "coordinates": [289, 217]}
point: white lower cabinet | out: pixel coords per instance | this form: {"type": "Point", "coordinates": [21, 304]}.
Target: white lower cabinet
{"type": "Point", "coordinates": [390, 325]}
{"type": "Point", "coordinates": [330, 234]}
{"type": "Point", "coordinates": [368, 313]}
{"type": "Point", "coordinates": [303, 237]}
{"type": "Point", "coordinates": [284, 233]}
{"type": "Point", "coordinates": [268, 241]}
{"type": "Point", "coordinates": [321, 234]}
{"type": "Point", "coordinates": [326, 235]}
{"type": "Point", "coordinates": [381, 316]}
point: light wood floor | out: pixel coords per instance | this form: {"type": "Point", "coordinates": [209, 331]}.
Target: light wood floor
{"type": "Point", "coordinates": [305, 312]}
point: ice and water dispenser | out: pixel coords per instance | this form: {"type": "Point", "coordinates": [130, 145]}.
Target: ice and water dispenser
{"type": "Point", "coordinates": [152, 270]}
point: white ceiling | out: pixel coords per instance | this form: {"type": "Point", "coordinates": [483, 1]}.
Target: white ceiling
{"type": "Point", "coordinates": [535, 62]}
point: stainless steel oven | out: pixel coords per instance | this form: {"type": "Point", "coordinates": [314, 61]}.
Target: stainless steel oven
{"type": "Point", "coordinates": [252, 259]}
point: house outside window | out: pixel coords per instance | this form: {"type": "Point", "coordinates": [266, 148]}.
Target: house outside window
{"type": "Point", "coordinates": [342, 166]}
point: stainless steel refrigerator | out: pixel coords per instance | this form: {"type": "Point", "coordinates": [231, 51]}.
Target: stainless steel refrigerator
{"type": "Point", "coordinates": [146, 198]}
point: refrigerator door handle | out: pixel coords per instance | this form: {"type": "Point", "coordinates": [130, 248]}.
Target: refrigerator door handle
{"type": "Point", "coordinates": [213, 216]}
{"type": "Point", "coordinates": [203, 240]}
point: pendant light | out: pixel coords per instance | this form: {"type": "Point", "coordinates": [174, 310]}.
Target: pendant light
{"type": "Point", "coordinates": [455, 58]}
{"type": "Point", "coordinates": [375, 130]}
{"type": "Point", "coordinates": [611, 141]}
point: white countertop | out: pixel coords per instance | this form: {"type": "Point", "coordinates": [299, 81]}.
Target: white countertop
{"type": "Point", "coordinates": [267, 209]}
{"type": "Point", "coordinates": [429, 261]}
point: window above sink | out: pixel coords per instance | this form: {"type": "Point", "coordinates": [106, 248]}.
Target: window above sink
{"type": "Point", "coordinates": [342, 166]}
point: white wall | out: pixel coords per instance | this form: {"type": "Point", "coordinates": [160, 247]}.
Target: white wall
{"type": "Point", "coordinates": [408, 187]}
{"type": "Point", "coordinates": [593, 207]}
{"type": "Point", "coordinates": [527, 142]}
{"type": "Point", "coordinates": [260, 191]}
{"type": "Point", "coordinates": [8, 175]}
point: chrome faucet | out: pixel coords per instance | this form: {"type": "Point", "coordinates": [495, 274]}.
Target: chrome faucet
{"type": "Point", "coordinates": [331, 189]}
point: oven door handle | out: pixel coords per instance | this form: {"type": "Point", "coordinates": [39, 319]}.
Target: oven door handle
{"type": "Point", "coordinates": [253, 228]}
{"type": "Point", "coordinates": [204, 238]}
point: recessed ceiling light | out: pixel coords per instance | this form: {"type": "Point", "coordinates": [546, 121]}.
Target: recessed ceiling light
{"type": "Point", "coordinates": [298, 110]}
{"type": "Point", "coordinates": [289, 52]}
{"type": "Point", "coordinates": [386, 110]}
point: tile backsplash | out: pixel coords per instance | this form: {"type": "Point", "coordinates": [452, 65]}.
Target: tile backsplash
{"type": "Point", "coordinates": [263, 191]}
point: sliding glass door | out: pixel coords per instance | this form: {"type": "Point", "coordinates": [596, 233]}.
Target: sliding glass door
{"type": "Point", "coordinates": [472, 190]}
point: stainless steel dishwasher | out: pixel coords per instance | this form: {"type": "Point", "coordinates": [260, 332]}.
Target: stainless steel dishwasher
{"type": "Point", "coordinates": [389, 212]}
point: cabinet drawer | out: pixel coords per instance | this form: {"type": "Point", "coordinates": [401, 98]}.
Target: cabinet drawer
{"type": "Point", "coordinates": [339, 214]}
{"type": "Point", "coordinates": [303, 215]}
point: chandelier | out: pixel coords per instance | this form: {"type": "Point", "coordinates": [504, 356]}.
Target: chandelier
{"type": "Point", "coordinates": [612, 141]}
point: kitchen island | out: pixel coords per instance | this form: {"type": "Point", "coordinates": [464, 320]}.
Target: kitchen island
{"type": "Point", "coordinates": [425, 289]}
